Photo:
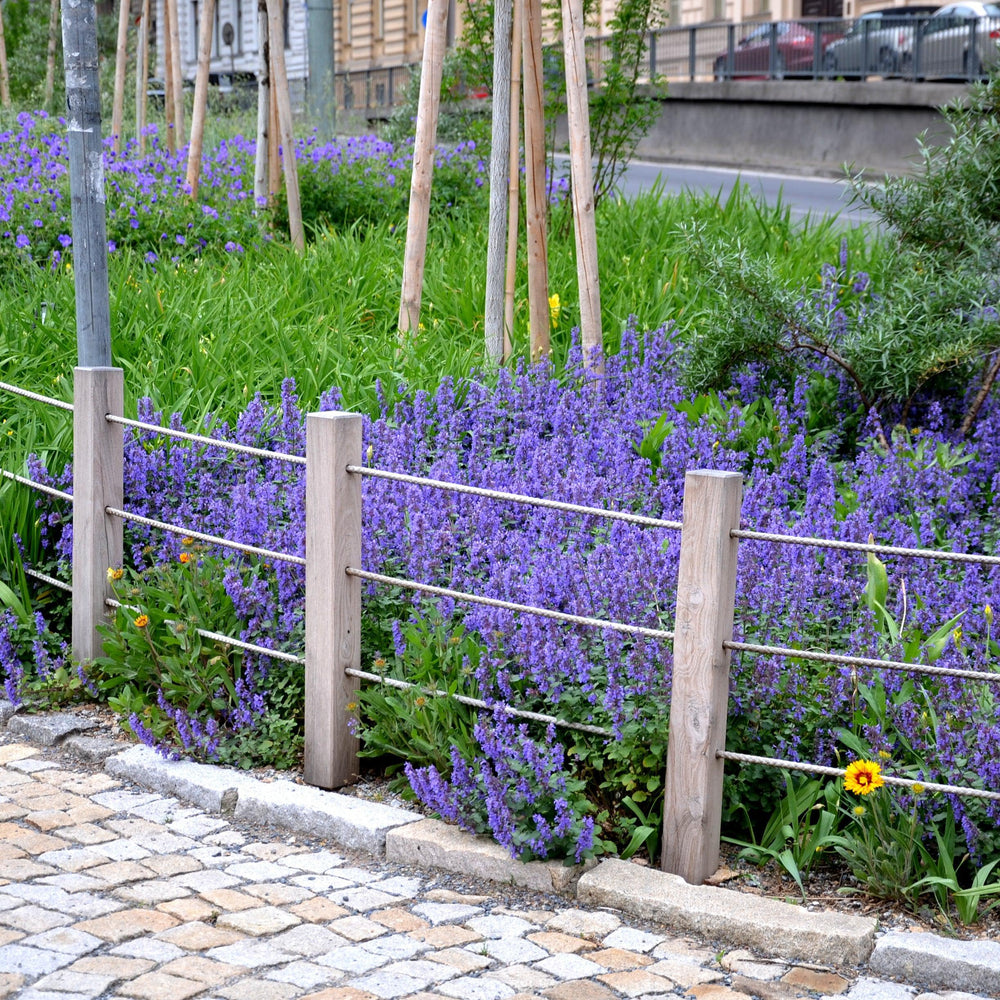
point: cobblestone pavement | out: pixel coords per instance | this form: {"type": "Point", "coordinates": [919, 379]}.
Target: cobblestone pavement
{"type": "Point", "coordinates": [110, 891]}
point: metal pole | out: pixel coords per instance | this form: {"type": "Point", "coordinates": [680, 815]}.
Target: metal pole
{"type": "Point", "coordinates": [322, 106]}
{"type": "Point", "coordinates": [86, 173]}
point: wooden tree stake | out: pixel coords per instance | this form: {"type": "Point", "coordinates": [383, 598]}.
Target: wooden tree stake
{"type": "Point", "coordinates": [142, 76]}
{"type": "Point", "coordinates": [513, 181]}
{"type": "Point", "coordinates": [168, 90]}
{"type": "Point", "coordinates": [706, 591]}
{"type": "Point", "coordinates": [174, 76]}
{"type": "Point", "coordinates": [536, 208]}
{"type": "Point", "coordinates": [333, 599]}
{"type": "Point", "coordinates": [581, 173]}
{"type": "Point", "coordinates": [261, 173]}
{"type": "Point", "coordinates": [121, 64]}
{"type": "Point", "coordinates": [4, 75]}
{"type": "Point", "coordinates": [50, 55]}
{"type": "Point", "coordinates": [279, 88]}
{"type": "Point", "coordinates": [206, 26]}
{"type": "Point", "coordinates": [423, 165]}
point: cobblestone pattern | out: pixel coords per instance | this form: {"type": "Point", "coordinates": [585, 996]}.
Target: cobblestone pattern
{"type": "Point", "coordinates": [107, 891]}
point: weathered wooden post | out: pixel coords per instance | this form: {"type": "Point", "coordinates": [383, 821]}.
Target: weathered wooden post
{"type": "Point", "coordinates": [97, 484]}
{"type": "Point", "coordinates": [142, 76]}
{"type": "Point", "coordinates": [333, 599]}
{"type": "Point", "coordinates": [121, 63]}
{"type": "Point", "coordinates": [206, 26]}
{"type": "Point", "coordinates": [706, 592]}
{"type": "Point", "coordinates": [513, 181]}
{"type": "Point", "coordinates": [50, 55]}
{"type": "Point", "coordinates": [4, 75]}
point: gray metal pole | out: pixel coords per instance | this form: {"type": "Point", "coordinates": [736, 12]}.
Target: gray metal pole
{"type": "Point", "coordinates": [86, 175]}
{"type": "Point", "coordinates": [322, 106]}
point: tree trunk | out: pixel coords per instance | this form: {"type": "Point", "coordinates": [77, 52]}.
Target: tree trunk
{"type": "Point", "coordinates": [50, 56]}
{"type": "Point", "coordinates": [261, 158]}
{"type": "Point", "coordinates": [4, 77]}
{"type": "Point", "coordinates": [513, 181]}
{"type": "Point", "coordinates": [175, 79]}
{"type": "Point", "coordinates": [142, 76]}
{"type": "Point", "coordinates": [121, 63]}
{"type": "Point", "coordinates": [206, 25]}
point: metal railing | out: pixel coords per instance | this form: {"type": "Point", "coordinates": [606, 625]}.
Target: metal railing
{"type": "Point", "coordinates": [702, 638]}
{"type": "Point", "coordinates": [834, 49]}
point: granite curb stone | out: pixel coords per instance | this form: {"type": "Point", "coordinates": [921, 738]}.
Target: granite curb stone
{"type": "Point", "coordinates": [970, 966]}
{"type": "Point", "coordinates": [48, 730]}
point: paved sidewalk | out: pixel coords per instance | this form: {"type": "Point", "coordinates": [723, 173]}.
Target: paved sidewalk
{"type": "Point", "coordinates": [110, 890]}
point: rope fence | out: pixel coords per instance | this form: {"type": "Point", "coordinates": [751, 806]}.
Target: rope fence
{"type": "Point", "coordinates": [37, 397]}
{"type": "Point", "coordinates": [493, 602]}
{"type": "Point", "coordinates": [481, 491]}
{"type": "Point", "coordinates": [837, 772]}
{"type": "Point", "coordinates": [52, 581]}
{"type": "Point", "coordinates": [40, 487]}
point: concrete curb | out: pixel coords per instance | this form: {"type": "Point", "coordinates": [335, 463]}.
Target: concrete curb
{"type": "Point", "coordinates": [768, 926]}
{"type": "Point", "coordinates": [971, 966]}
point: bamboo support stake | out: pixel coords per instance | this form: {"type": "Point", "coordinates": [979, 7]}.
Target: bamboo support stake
{"type": "Point", "coordinates": [273, 135]}
{"type": "Point", "coordinates": [142, 76]}
{"type": "Point", "coordinates": [4, 75]}
{"type": "Point", "coordinates": [333, 599]}
{"type": "Point", "coordinates": [97, 484]}
{"type": "Point", "coordinates": [261, 191]}
{"type": "Point", "coordinates": [121, 64]}
{"type": "Point", "coordinates": [513, 182]}
{"type": "Point", "coordinates": [50, 55]}
{"type": "Point", "coordinates": [174, 76]}
{"type": "Point", "coordinates": [283, 104]}
{"type": "Point", "coordinates": [496, 244]}
{"type": "Point", "coordinates": [582, 176]}
{"type": "Point", "coordinates": [423, 165]}
{"type": "Point", "coordinates": [536, 209]}
{"type": "Point", "coordinates": [699, 698]}
{"type": "Point", "coordinates": [206, 25]}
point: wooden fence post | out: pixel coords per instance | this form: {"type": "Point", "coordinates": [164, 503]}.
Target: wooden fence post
{"type": "Point", "coordinates": [97, 483]}
{"type": "Point", "coordinates": [706, 591]}
{"type": "Point", "coordinates": [333, 599]}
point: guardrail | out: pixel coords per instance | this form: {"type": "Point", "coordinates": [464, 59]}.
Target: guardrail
{"type": "Point", "coordinates": [834, 49]}
{"type": "Point", "coordinates": [704, 620]}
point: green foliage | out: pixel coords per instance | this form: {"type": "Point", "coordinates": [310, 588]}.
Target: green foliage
{"type": "Point", "coordinates": [798, 830]}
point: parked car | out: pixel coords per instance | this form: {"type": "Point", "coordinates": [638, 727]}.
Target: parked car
{"type": "Point", "coordinates": [879, 42]}
{"type": "Point", "coordinates": [773, 50]}
{"type": "Point", "coordinates": [958, 40]}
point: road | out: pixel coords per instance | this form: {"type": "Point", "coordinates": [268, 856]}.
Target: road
{"type": "Point", "coordinates": [815, 196]}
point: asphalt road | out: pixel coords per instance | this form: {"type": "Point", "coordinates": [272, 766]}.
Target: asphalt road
{"type": "Point", "coordinates": [813, 196]}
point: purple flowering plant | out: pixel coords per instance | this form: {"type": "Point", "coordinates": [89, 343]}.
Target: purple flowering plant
{"type": "Point", "coordinates": [538, 789]}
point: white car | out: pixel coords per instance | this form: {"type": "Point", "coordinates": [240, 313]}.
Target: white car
{"type": "Point", "coordinates": [878, 43]}
{"type": "Point", "coordinates": [959, 40]}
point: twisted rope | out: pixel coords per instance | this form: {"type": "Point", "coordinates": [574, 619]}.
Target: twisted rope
{"type": "Point", "coordinates": [24, 481]}
{"type": "Point", "coordinates": [50, 580]}
{"type": "Point", "coordinates": [479, 703]}
{"type": "Point", "coordinates": [49, 400]}
{"type": "Point", "coordinates": [492, 602]}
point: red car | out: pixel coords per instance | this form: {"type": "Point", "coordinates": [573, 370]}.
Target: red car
{"type": "Point", "coordinates": [773, 51]}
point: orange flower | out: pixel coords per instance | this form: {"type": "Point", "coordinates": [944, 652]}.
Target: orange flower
{"type": "Point", "coordinates": [142, 621]}
{"type": "Point", "coordinates": [184, 557]}
{"type": "Point", "coordinates": [862, 777]}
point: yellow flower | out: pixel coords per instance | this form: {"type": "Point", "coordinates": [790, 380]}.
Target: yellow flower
{"type": "Point", "coordinates": [988, 614]}
{"type": "Point", "coordinates": [917, 788]}
{"type": "Point", "coordinates": [352, 706]}
{"type": "Point", "coordinates": [885, 755]}
{"type": "Point", "coordinates": [115, 574]}
{"type": "Point", "coordinates": [420, 702]}
{"type": "Point", "coordinates": [554, 307]}
{"type": "Point", "coordinates": [863, 777]}
{"type": "Point", "coordinates": [957, 635]}
{"type": "Point", "coordinates": [859, 810]}
{"type": "Point", "coordinates": [187, 541]}
{"type": "Point", "coordinates": [142, 621]}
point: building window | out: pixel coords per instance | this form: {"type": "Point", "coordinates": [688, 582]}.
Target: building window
{"type": "Point", "coordinates": [718, 9]}
{"type": "Point", "coordinates": [675, 13]}
{"type": "Point", "coordinates": [379, 15]}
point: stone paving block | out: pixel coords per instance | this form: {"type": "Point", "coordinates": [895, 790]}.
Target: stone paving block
{"type": "Point", "coordinates": [47, 820]}
{"type": "Point", "coordinates": [189, 909]}
{"type": "Point", "coordinates": [7, 936]}
{"type": "Point", "coordinates": [93, 748]}
{"type": "Point", "coordinates": [340, 993]}
{"type": "Point", "coordinates": [354, 959]}
{"type": "Point", "coordinates": [83, 905]}
{"type": "Point", "coordinates": [28, 840]}
{"type": "Point", "coordinates": [318, 910]}
{"type": "Point", "coordinates": [566, 966]}
{"type": "Point", "coordinates": [361, 899]}
{"type": "Point", "coordinates": [69, 981]}
{"type": "Point", "coordinates": [732, 917]}
{"type": "Point", "coordinates": [266, 850]}
{"type": "Point", "coordinates": [34, 919]}
{"type": "Point", "coordinates": [121, 800]}
{"type": "Point", "coordinates": [252, 954]}
{"type": "Point", "coordinates": [88, 813]}
{"type": "Point", "coordinates": [197, 936]}
{"type": "Point", "coordinates": [166, 843]}
{"type": "Point", "coordinates": [686, 950]}
{"type": "Point", "coordinates": [813, 980]}
{"type": "Point", "coordinates": [971, 966]}
{"type": "Point", "coordinates": [305, 975]}
{"type": "Point", "coordinates": [120, 850]}
{"type": "Point", "coordinates": [229, 900]}
{"type": "Point", "coordinates": [151, 892]}
{"type": "Point", "coordinates": [684, 974]}
{"type": "Point", "coordinates": [461, 959]}
{"type": "Point", "coordinates": [398, 918]}
{"type": "Point", "coordinates": [258, 922]}
{"type": "Point", "coordinates": [357, 928]}
{"type": "Point", "coordinates": [433, 844]}
{"type": "Point", "coordinates": [500, 926]}
{"type": "Point", "coordinates": [112, 967]}
{"type": "Point", "coordinates": [259, 989]}
{"type": "Point", "coordinates": [637, 983]}
{"type": "Point", "coordinates": [278, 893]}
{"type": "Point", "coordinates": [576, 989]}
{"type": "Point", "coordinates": [171, 865]}
{"type": "Point", "coordinates": [510, 950]}
{"type": "Point", "coordinates": [259, 871]}
{"type": "Point", "coordinates": [217, 856]}
{"type": "Point", "coordinates": [126, 924]}
{"type": "Point", "coordinates": [158, 986]}
{"type": "Point", "coordinates": [620, 960]}
{"type": "Point", "coordinates": [422, 968]}
{"type": "Point", "coordinates": [120, 872]}
{"type": "Point", "coordinates": [67, 940]}
{"type": "Point", "coordinates": [450, 896]}
{"type": "Point", "coordinates": [344, 819]}
{"type": "Point", "coordinates": [197, 826]}
{"type": "Point", "coordinates": [201, 970]}
{"type": "Point", "coordinates": [9, 983]}
{"type": "Point", "coordinates": [446, 936]}
{"type": "Point", "coordinates": [49, 729]}
{"type": "Point", "coordinates": [144, 947]}
{"type": "Point", "coordinates": [308, 939]}
{"type": "Point", "coordinates": [73, 859]}
{"type": "Point", "coordinates": [206, 879]}
{"type": "Point", "coordinates": [468, 988]}
{"type": "Point", "coordinates": [388, 985]}
{"type": "Point", "coordinates": [31, 962]}
{"type": "Point", "coordinates": [397, 946]}
{"type": "Point", "coordinates": [556, 941]}
{"type": "Point", "coordinates": [714, 991]}
{"type": "Point", "coordinates": [522, 978]}
{"type": "Point", "coordinates": [631, 939]}
{"type": "Point", "coordinates": [404, 886]}
{"type": "Point", "coordinates": [323, 883]}
{"type": "Point", "coordinates": [316, 862]}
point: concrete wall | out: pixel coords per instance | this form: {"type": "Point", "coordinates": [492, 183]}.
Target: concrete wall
{"type": "Point", "coordinates": [807, 126]}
